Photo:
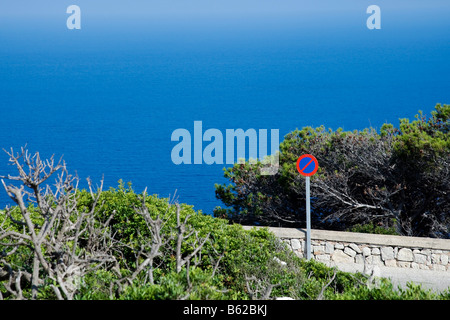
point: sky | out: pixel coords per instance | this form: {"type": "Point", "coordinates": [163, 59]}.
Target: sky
{"type": "Point", "coordinates": [26, 23]}
{"type": "Point", "coordinates": [195, 9]}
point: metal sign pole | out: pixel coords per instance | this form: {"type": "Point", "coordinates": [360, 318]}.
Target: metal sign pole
{"type": "Point", "coordinates": [308, 221]}
{"type": "Point", "coordinates": [307, 165]}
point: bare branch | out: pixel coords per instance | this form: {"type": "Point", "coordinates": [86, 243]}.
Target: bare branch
{"type": "Point", "coordinates": [53, 230]}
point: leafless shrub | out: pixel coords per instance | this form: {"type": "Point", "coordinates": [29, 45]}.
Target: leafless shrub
{"type": "Point", "coordinates": [52, 229]}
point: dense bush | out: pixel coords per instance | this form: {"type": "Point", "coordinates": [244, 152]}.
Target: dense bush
{"type": "Point", "coordinates": [396, 179]}
{"type": "Point", "coordinates": [250, 264]}
{"type": "Point", "coordinates": [372, 228]}
{"type": "Point", "coordinates": [221, 270]}
{"type": "Point", "coordinates": [237, 253]}
{"type": "Point", "coordinates": [245, 254]}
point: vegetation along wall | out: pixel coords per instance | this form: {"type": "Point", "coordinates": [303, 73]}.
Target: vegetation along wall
{"type": "Point", "coordinates": [334, 247]}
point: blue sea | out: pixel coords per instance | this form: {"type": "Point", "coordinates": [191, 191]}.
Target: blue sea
{"type": "Point", "coordinates": [107, 97]}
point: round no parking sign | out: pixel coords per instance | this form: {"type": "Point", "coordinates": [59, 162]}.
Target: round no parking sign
{"type": "Point", "coordinates": [307, 165]}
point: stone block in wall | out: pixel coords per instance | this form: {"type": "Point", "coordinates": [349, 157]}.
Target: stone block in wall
{"type": "Point", "coordinates": [420, 258]}
{"type": "Point", "coordinates": [366, 251]}
{"type": "Point", "coordinates": [405, 254]}
{"type": "Point", "coordinates": [350, 252]}
{"type": "Point", "coordinates": [318, 249]}
{"type": "Point", "coordinates": [391, 263]}
{"type": "Point", "coordinates": [444, 259]}
{"type": "Point", "coordinates": [339, 246]}
{"type": "Point", "coordinates": [329, 248]}
{"type": "Point", "coordinates": [354, 247]}
{"type": "Point", "coordinates": [295, 244]}
{"type": "Point", "coordinates": [387, 253]}
{"type": "Point", "coordinates": [375, 251]}
{"type": "Point", "coordinates": [340, 256]}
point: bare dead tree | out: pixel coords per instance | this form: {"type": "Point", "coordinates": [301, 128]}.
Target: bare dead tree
{"type": "Point", "coordinates": [52, 226]}
{"type": "Point", "coordinates": [324, 287]}
{"type": "Point", "coordinates": [259, 289]}
{"type": "Point", "coordinates": [151, 249]}
{"type": "Point", "coordinates": [66, 241]}
{"type": "Point", "coordinates": [184, 232]}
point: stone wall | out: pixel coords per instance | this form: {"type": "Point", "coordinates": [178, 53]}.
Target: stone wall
{"type": "Point", "coordinates": [333, 247]}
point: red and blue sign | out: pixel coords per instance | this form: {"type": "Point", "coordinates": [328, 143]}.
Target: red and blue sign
{"type": "Point", "coordinates": [307, 165]}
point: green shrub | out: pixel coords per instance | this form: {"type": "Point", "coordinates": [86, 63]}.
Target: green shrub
{"type": "Point", "coordinates": [373, 229]}
{"type": "Point", "coordinates": [174, 285]}
{"type": "Point", "coordinates": [234, 263]}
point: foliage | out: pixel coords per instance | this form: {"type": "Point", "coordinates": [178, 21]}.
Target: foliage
{"type": "Point", "coordinates": [222, 260]}
{"type": "Point", "coordinates": [397, 179]}
{"type": "Point", "coordinates": [243, 253]}
{"type": "Point", "coordinates": [220, 270]}
{"type": "Point", "coordinates": [372, 228]}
